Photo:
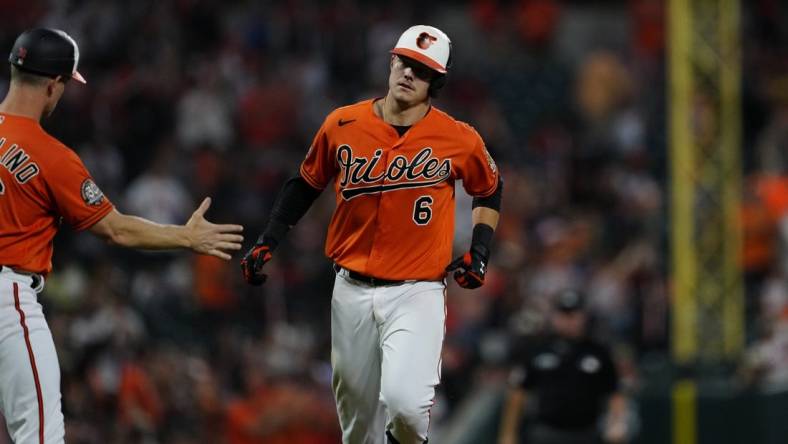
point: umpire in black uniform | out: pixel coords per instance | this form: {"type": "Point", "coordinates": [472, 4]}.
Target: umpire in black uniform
{"type": "Point", "coordinates": [572, 382]}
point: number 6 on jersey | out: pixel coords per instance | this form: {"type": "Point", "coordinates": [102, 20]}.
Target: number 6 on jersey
{"type": "Point", "coordinates": [422, 210]}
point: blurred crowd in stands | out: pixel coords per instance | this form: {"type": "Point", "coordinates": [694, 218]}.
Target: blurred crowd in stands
{"type": "Point", "coordinates": [194, 98]}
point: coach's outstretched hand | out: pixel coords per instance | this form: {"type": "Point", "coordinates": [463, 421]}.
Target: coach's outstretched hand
{"type": "Point", "coordinates": [252, 263]}
{"type": "Point", "coordinates": [470, 268]}
{"type": "Point", "coordinates": [212, 239]}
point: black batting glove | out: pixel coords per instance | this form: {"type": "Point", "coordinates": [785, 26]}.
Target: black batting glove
{"type": "Point", "coordinates": [470, 268]}
{"type": "Point", "coordinates": [253, 261]}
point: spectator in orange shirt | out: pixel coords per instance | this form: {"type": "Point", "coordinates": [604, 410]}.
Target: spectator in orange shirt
{"type": "Point", "coordinates": [140, 407]}
{"type": "Point", "coordinates": [280, 411]}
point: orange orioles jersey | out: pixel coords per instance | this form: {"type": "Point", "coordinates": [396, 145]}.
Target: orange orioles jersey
{"type": "Point", "coordinates": [41, 182]}
{"type": "Point", "coordinates": [394, 216]}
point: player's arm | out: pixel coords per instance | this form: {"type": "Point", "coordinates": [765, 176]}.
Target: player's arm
{"type": "Point", "coordinates": [615, 429]}
{"type": "Point", "coordinates": [470, 268]}
{"type": "Point", "coordinates": [292, 202]}
{"type": "Point", "coordinates": [616, 424]}
{"type": "Point", "coordinates": [514, 404]}
{"type": "Point", "coordinates": [197, 234]}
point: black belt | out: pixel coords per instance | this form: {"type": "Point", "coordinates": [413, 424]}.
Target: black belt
{"type": "Point", "coordinates": [369, 280]}
{"type": "Point", "coordinates": [34, 276]}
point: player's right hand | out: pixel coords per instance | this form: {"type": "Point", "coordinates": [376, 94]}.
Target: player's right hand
{"type": "Point", "coordinates": [212, 239]}
{"type": "Point", "coordinates": [253, 261]}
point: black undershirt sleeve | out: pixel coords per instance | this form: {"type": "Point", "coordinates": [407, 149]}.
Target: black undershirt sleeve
{"type": "Point", "coordinates": [493, 201]}
{"type": "Point", "coordinates": [291, 204]}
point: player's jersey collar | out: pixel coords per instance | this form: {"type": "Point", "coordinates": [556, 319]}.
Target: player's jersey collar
{"type": "Point", "coordinates": [371, 109]}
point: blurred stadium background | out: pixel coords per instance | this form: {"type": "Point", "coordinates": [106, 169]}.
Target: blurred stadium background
{"type": "Point", "coordinates": [643, 144]}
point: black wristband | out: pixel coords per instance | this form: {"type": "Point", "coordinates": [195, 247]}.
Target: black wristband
{"type": "Point", "coordinates": [273, 234]}
{"type": "Point", "coordinates": [481, 239]}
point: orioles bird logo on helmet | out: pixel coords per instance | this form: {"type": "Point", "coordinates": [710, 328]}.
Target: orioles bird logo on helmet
{"type": "Point", "coordinates": [425, 40]}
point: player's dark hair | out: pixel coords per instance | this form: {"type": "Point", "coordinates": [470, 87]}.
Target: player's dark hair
{"type": "Point", "coordinates": [28, 78]}
{"type": "Point", "coordinates": [436, 85]}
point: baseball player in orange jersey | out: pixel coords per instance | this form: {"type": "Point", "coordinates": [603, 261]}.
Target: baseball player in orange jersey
{"type": "Point", "coordinates": [41, 183]}
{"type": "Point", "coordinates": [393, 162]}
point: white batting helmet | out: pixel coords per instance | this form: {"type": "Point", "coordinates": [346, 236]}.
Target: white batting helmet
{"type": "Point", "coordinates": [425, 44]}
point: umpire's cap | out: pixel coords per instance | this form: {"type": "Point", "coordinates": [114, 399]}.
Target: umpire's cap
{"type": "Point", "coordinates": [569, 301]}
{"type": "Point", "coordinates": [48, 52]}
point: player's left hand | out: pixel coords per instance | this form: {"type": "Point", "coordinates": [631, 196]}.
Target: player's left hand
{"type": "Point", "coordinates": [470, 268]}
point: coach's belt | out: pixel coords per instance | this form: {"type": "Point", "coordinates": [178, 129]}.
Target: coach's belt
{"type": "Point", "coordinates": [369, 280]}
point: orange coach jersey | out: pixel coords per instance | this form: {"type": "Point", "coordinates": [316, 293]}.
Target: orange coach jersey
{"type": "Point", "coordinates": [41, 182]}
{"type": "Point", "coordinates": [394, 216]}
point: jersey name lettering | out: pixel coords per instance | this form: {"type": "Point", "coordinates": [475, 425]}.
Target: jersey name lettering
{"type": "Point", "coordinates": [18, 163]}
{"type": "Point", "coordinates": [358, 177]}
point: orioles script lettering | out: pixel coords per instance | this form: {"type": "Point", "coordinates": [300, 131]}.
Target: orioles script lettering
{"type": "Point", "coordinates": [359, 176]}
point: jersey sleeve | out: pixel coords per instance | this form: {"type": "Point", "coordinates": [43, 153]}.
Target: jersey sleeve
{"type": "Point", "coordinates": [77, 197]}
{"type": "Point", "coordinates": [319, 166]}
{"type": "Point", "coordinates": [478, 171]}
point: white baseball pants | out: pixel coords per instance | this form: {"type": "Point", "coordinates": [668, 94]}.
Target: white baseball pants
{"type": "Point", "coordinates": [29, 370]}
{"type": "Point", "coordinates": [386, 354]}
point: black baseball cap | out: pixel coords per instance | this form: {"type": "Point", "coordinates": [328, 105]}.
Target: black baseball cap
{"type": "Point", "coordinates": [569, 300]}
{"type": "Point", "coordinates": [48, 52]}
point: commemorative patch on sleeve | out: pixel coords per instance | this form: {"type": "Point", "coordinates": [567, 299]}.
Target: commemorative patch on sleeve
{"type": "Point", "coordinates": [91, 193]}
{"type": "Point", "coordinates": [490, 161]}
